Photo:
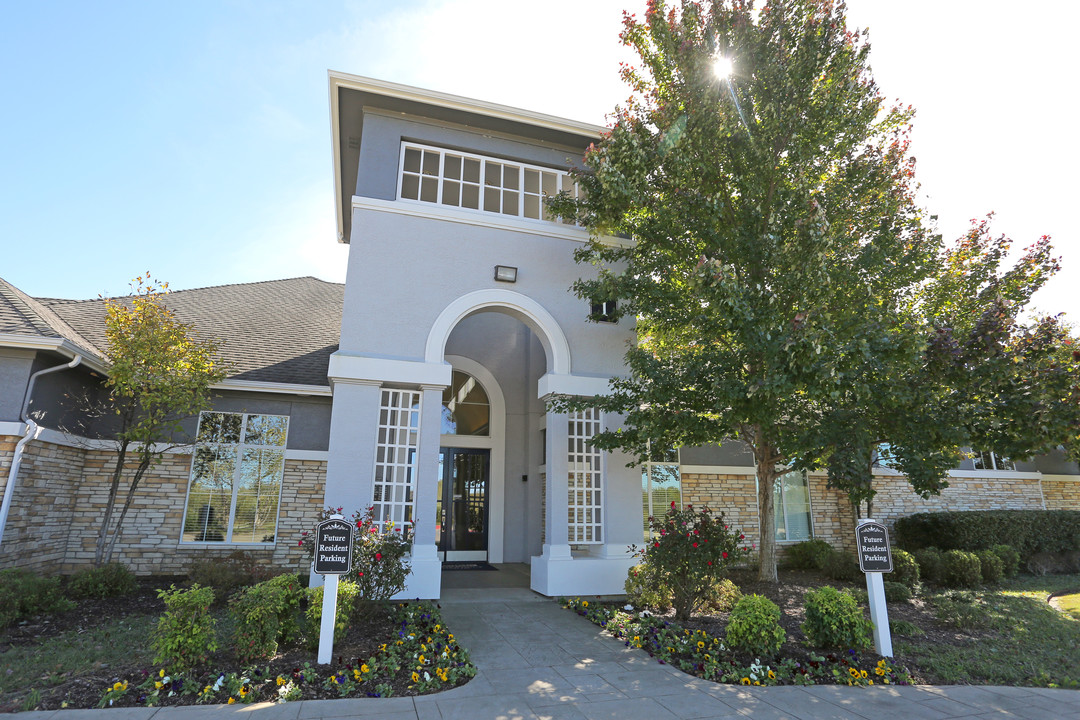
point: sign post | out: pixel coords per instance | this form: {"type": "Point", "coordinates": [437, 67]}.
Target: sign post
{"type": "Point", "coordinates": [875, 557]}
{"type": "Point", "coordinates": [333, 557]}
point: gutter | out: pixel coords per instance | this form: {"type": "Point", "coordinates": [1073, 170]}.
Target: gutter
{"type": "Point", "coordinates": [31, 433]}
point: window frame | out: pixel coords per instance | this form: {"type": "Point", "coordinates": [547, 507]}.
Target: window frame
{"type": "Point", "coordinates": [980, 456]}
{"type": "Point", "coordinates": [647, 489]}
{"type": "Point", "coordinates": [239, 449]}
{"type": "Point", "coordinates": [605, 311]}
{"type": "Point", "coordinates": [780, 507]}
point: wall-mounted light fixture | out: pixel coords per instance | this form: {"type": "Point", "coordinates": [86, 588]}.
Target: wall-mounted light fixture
{"type": "Point", "coordinates": [505, 273]}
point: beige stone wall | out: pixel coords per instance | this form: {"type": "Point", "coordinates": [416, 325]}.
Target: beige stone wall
{"type": "Point", "coordinates": [1062, 494]}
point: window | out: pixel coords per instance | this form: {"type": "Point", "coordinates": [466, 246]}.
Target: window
{"type": "Point", "coordinates": [474, 182]}
{"type": "Point", "coordinates": [585, 521]}
{"type": "Point", "coordinates": [791, 500]}
{"type": "Point", "coordinates": [236, 474]}
{"type": "Point", "coordinates": [465, 409]}
{"type": "Point", "coordinates": [986, 460]}
{"type": "Point", "coordinates": [395, 458]}
{"type": "Point", "coordinates": [603, 311]}
{"type": "Point", "coordinates": [661, 485]}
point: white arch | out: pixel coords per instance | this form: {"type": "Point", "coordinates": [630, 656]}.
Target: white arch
{"type": "Point", "coordinates": [524, 308]}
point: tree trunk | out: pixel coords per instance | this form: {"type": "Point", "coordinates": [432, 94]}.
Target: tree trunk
{"type": "Point", "coordinates": [103, 531]}
{"type": "Point", "coordinates": [765, 458]}
{"type": "Point", "coordinates": [144, 463]}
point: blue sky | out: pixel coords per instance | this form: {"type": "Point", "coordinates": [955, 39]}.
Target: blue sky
{"type": "Point", "coordinates": [192, 140]}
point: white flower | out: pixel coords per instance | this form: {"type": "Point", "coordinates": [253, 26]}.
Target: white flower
{"type": "Point", "coordinates": [628, 607]}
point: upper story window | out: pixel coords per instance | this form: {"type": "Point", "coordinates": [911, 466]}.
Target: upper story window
{"type": "Point", "coordinates": [605, 312]}
{"type": "Point", "coordinates": [474, 182]}
{"type": "Point", "coordinates": [986, 460]}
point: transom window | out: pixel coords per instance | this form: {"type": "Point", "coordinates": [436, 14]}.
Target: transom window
{"type": "Point", "coordinates": [236, 474]}
{"type": "Point", "coordinates": [465, 408]}
{"type": "Point", "coordinates": [475, 182]}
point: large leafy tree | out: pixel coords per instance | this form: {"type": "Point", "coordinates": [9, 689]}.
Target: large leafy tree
{"type": "Point", "coordinates": [159, 374]}
{"type": "Point", "coordinates": [773, 246]}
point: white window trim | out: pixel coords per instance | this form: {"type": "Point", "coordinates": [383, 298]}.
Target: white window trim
{"type": "Point", "coordinates": [235, 484]}
{"type": "Point", "coordinates": [647, 467]}
{"type": "Point", "coordinates": [809, 505]}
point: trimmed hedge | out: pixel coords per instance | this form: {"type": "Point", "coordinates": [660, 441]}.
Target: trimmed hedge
{"type": "Point", "coordinates": [1028, 531]}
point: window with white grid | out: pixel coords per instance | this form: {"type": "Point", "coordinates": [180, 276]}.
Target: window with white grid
{"type": "Point", "coordinates": [474, 182]}
{"type": "Point", "coordinates": [395, 458]}
{"type": "Point", "coordinates": [585, 521]}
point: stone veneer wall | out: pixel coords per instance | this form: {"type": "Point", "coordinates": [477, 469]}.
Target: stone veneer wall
{"type": "Point", "coordinates": [1062, 494]}
{"type": "Point", "coordinates": [64, 490]}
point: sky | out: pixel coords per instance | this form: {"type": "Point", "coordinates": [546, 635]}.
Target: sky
{"type": "Point", "coordinates": [192, 140]}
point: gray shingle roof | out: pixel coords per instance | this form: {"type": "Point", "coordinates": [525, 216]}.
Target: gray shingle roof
{"type": "Point", "coordinates": [23, 315]}
{"type": "Point", "coordinates": [275, 331]}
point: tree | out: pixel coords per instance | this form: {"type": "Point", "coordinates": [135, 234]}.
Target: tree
{"type": "Point", "coordinates": [775, 245]}
{"type": "Point", "coordinates": [159, 374]}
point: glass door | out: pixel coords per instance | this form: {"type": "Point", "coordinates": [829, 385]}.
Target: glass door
{"type": "Point", "coordinates": [461, 504]}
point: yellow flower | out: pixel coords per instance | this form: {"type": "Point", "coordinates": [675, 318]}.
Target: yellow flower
{"type": "Point", "coordinates": [584, 603]}
{"type": "Point", "coordinates": [879, 671]}
{"type": "Point", "coordinates": [382, 648]}
{"type": "Point", "coordinates": [161, 672]}
{"type": "Point", "coordinates": [746, 681]}
{"type": "Point", "coordinates": [700, 645]}
{"type": "Point", "coordinates": [243, 691]}
{"type": "Point", "coordinates": [450, 636]}
{"type": "Point", "coordinates": [158, 685]}
{"type": "Point", "coordinates": [280, 680]}
{"type": "Point", "coordinates": [863, 673]}
{"type": "Point", "coordinates": [871, 682]}
{"type": "Point", "coordinates": [231, 701]}
{"type": "Point", "coordinates": [420, 659]}
{"type": "Point", "coordinates": [854, 672]}
{"type": "Point", "coordinates": [772, 675]}
{"type": "Point", "coordinates": [757, 682]}
{"type": "Point", "coordinates": [415, 677]}
{"type": "Point", "coordinates": [364, 668]}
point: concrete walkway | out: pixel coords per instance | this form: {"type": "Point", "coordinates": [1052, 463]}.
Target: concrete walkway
{"type": "Point", "coordinates": [538, 661]}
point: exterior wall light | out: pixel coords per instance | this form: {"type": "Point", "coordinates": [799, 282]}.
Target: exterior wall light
{"type": "Point", "coordinates": [505, 273]}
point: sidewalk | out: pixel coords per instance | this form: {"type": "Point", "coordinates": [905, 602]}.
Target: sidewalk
{"type": "Point", "coordinates": [538, 661]}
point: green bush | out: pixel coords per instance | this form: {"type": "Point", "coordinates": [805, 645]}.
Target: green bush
{"type": "Point", "coordinates": [101, 582]}
{"type": "Point", "coordinates": [809, 555]}
{"type": "Point", "coordinates": [991, 566]}
{"type": "Point", "coordinates": [1010, 559]}
{"type": "Point", "coordinates": [930, 564]}
{"type": "Point", "coordinates": [722, 596]}
{"type": "Point", "coordinates": [754, 626]}
{"type": "Point", "coordinates": [24, 594]}
{"type": "Point", "coordinates": [264, 616]}
{"type": "Point", "coordinates": [644, 588]}
{"type": "Point", "coordinates": [1028, 531]}
{"type": "Point", "coordinates": [185, 636]}
{"type": "Point", "coordinates": [346, 605]}
{"type": "Point", "coordinates": [834, 620]}
{"type": "Point", "coordinates": [227, 574]}
{"type": "Point", "coordinates": [905, 568]}
{"type": "Point", "coordinates": [960, 569]}
{"type": "Point", "coordinates": [896, 592]}
{"type": "Point", "coordinates": [842, 566]}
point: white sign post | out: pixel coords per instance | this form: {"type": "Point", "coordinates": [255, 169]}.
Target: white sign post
{"type": "Point", "coordinates": [875, 557]}
{"type": "Point", "coordinates": [333, 557]}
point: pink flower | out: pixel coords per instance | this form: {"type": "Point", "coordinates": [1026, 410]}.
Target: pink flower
{"type": "Point", "coordinates": [724, 555]}
{"type": "Point", "coordinates": [695, 544]}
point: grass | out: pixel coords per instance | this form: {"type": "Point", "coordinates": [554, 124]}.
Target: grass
{"type": "Point", "coordinates": [76, 652]}
{"type": "Point", "coordinates": [1070, 604]}
{"type": "Point", "coordinates": [1010, 635]}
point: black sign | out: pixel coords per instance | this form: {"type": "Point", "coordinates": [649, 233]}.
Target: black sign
{"type": "Point", "coordinates": [333, 547]}
{"type": "Point", "coordinates": [873, 546]}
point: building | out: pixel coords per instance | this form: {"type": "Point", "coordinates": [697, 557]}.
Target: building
{"type": "Point", "coordinates": [418, 387]}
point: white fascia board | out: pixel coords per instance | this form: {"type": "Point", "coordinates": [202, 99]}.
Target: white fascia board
{"type": "Point", "coordinates": [1062, 478]}
{"type": "Point", "coordinates": [273, 387]}
{"type": "Point", "coordinates": [552, 384]}
{"type": "Point", "coordinates": [12, 428]}
{"type": "Point", "coordinates": [318, 455]}
{"type": "Point", "coordinates": [996, 474]}
{"type": "Point", "coordinates": [60, 345]}
{"type": "Point", "coordinates": [360, 368]}
{"type": "Point", "coordinates": [717, 469]}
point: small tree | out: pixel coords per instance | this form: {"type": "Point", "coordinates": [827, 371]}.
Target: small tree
{"type": "Point", "coordinates": [159, 374]}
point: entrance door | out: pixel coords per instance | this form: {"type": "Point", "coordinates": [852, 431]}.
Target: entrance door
{"type": "Point", "coordinates": [461, 504]}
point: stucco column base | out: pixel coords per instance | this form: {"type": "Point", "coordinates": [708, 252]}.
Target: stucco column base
{"type": "Point", "coordinates": [425, 578]}
{"type": "Point", "coordinates": [557, 573]}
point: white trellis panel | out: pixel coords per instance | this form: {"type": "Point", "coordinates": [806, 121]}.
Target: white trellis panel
{"type": "Point", "coordinates": [395, 458]}
{"type": "Point", "coordinates": [585, 521]}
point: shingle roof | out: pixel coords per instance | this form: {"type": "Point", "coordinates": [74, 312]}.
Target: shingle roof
{"type": "Point", "coordinates": [23, 315]}
{"type": "Point", "coordinates": [275, 331]}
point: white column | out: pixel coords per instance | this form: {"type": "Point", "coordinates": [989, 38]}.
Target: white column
{"type": "Point", "coordinates": [556, 544]}
{"type": "Point", "coordinates": [425, 580]}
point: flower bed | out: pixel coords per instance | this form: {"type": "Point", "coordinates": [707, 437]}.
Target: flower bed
{"type": "Point", "coordinates": [698, 653]}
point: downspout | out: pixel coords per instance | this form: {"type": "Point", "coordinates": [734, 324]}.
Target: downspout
{"type": "Point", "coordinates": [31, 433]}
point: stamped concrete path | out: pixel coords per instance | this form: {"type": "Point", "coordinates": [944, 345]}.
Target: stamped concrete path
{"type": "Point", "coordinates": [538, 661]}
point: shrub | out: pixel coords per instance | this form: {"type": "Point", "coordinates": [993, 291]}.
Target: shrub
{"type": "Point", "coordinates": [265, 616]}
{"type": "Point", "coordinates": [722, 596]}
{"type": "Point", "coordinates": [346, 603]}
{"type": "Point", "coordinates": [905, 568]}
{"type": "Point", "coordinates": [1028, 531]}
{"type": "Point", "coordinates": [690, 552]}
{"type": "Point", "coordinates": [227, 574]}
{"type": "Point", "coordinates": [842, 566]}
{"type": "Point", "coordinates": [930, 564]}
{"type": "Point", "coordinates": [809, 555]}
{"type": "Point", "coordinates": [754, 626]}
{"type": "Point", "coordinates": [960, 569]}
{"type": "Point", "coordinates": [24, 593]}
{"type": "Point", "coordinates": [904, 628]}
{"type": "Point", "coordinates": [990, 565]}
{"type": "Point", "coordinates": [379, 567]}
{"type": "Point", "coordinates": [100, 582]}
{"type": "Point", "coordinates": [644, 589]}
{"type": "Point", "coordinates": [185, 636]}
{"type": "Point", "coordinates": [1010, 559]}
{"type": "Point", "coordinates": [834, 620]}
{"type": "Point", "coordinates": [896, 592]}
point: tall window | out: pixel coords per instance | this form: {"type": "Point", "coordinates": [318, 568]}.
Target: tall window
{"type": "Point", "coordinates": [444, 177]}
{"type": "Point", "coordinates": [986, 460]}
{"type": "Point", "coordinates": [585, 521]}
{"type": "Point", "coordinates": [465, 408]}
{"type": "Point", "coordinates": [236, 474]}
{"type": "Point", "coordinates": [661, 485]}
{"type": "Point", "coordinates": [791, 500]}
{"type": "Point", "coordinates": [395, 458]}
